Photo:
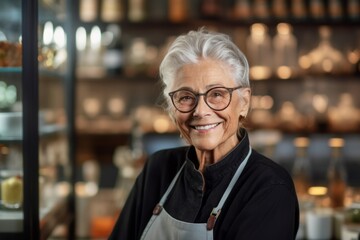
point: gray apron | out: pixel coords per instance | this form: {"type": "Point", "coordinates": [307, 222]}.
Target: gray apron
{"type": "Point", "coordinates": [162, 226]}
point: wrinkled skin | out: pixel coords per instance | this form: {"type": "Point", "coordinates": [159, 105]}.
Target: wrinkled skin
{"type": "Point", "coordinates": [212, 133]}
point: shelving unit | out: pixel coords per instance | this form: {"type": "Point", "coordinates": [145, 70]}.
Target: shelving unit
{"type": "Point", "coordinates": [99, 133]}
{"type": "Point", "coordinates": [155, 31]}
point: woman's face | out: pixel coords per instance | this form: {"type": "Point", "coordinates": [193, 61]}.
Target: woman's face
{"type": "Point", "coordinates": [207, 129]}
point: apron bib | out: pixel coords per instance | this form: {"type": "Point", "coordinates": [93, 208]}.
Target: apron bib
{"type": "Point", "coordinates": [162, 226]}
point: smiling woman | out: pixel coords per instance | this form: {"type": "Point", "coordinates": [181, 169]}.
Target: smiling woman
{"type": "Point", "coordinates": [182, 191]}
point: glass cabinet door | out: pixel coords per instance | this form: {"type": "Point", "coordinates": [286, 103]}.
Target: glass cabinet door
{"type": "Point", "coordinates": [11, 141]}
{"type": "Point", "coordinates": [35, 78]}
{"type": "Point", "coordinates": [54, 165]}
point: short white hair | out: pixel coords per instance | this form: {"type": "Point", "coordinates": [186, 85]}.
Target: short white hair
{"type": "Point", "coordinates": [202, 44]}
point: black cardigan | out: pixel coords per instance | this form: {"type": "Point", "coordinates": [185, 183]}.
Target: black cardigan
{"type": "Point", "coordinates": [262, 204]}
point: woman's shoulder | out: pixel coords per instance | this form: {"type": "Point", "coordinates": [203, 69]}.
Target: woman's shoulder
{"type": "Point", "coordinates": [269, 171]}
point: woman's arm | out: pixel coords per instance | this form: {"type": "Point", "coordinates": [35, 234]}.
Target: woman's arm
{"type": "Point", "coordinates": [272, 213]}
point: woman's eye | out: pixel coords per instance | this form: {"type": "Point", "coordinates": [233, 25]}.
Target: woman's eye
{"type": "Point", "coordinates": [186, 98]}
{"type": "Point", "coordinates": [217, 94]}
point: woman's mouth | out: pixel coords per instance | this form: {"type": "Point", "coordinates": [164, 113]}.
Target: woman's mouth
{"type": "Point", "coordinates": [205, 127]}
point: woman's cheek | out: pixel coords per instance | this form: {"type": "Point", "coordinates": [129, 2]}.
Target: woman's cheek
{"type": "Point", "coordinates": [184, 130]}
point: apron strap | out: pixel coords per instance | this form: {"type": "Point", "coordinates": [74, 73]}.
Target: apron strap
{"type": "Point", "coordinates": [160, 205]}
{"type": "Point", "coordinates": [216, 211]}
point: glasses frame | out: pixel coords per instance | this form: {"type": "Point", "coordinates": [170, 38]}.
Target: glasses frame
{"type": "Point", "coordinates": [197, 96]}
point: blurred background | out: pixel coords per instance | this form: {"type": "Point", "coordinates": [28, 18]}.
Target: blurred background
{"type": "Point", "coordinates": [81, 105]}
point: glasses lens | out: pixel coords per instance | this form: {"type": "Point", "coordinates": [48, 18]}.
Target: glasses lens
{"type": "Point", "coordinates": [184, 100]}
{"type": "Point", "coordinates": [218, 98]}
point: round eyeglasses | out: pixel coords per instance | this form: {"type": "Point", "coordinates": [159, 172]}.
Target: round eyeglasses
{"type": "Point", "coordinates": [217, 98]}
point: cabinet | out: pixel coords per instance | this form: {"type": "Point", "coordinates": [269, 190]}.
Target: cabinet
{"type": "Point", "coordinates": [36, 92]}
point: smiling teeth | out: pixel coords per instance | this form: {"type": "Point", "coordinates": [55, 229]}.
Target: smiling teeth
{"type": "Point", "coordinates": [206, 127]}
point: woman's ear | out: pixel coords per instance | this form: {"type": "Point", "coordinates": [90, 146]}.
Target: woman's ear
{"type": "Point", "coordinates": [245, 102]}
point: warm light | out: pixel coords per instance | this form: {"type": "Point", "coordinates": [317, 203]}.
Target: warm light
{"type": "Point", "coordinates": [258, 29]}
{"type": "Point", "coordinates": [353, 57]}
{"type": "Point", "coordinates": [305, 62]}
{"type": "Point", "coordinates": [317, 191]}
{"type": "Point", "coordinates": [336, 142]}
{"type": "Point", "coordinates": [266, 102]}
{"type": "Point", "coordinates": [301, 142]}
{"type": "Point", "coordinates": [320, 102]}
{"type": "Point", "coordinates": [327, 65]}
{"type": "Point", "coordinates": [80, 39]}
{"type": "Point", "coordinates": [116, 106]}
{"type": "Point", "coordinates": [83, 189]}
{"type": "Point", "coordinates": [62, 189]}
{"type": "Point", "coordinates": [161, 125]}
{"type": "Point", "coordinates": [88, 10]}
{"type": "Point", "coordinates": [4, 150]}
{"type": "Point", "coordinates": [48, 33]}
{"type": "Point", "coordinates": [260, 72]}
{"type": "Point", "coordinates": [92, 106]}
{"type": "Point", "coordinates": [284, 72]}
{"type": "Point", "coordinates": [128, 172]}
{"type": "Point", "coordinates": [288, 109]}
{"type": "Point", "coordinates": [138, 50]}
{"type": "Point", "coordinates": [284, 28]}
{"type": "Point", "coordinates": [255, 101]}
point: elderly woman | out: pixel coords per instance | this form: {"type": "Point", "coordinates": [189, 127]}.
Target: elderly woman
{"type": "Point", "coordinates": [218, 187]}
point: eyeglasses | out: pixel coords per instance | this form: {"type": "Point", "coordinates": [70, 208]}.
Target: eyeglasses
{"type": "Point", "coordinates": [217, 98]}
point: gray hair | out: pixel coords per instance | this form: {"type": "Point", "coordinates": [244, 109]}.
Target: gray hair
{"type": "Point", "coordinates": [202, 44]}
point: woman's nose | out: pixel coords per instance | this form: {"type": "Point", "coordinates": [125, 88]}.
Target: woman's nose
{"type": "Point", "coordinates": [201, 107]}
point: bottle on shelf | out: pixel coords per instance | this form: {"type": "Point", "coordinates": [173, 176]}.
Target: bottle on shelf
{"type": "Point", "coordinates": [325, 58]}
{"type": "Point", "coordinates": [317, 9]}
{"type": "Point", "coordinates": [301, 171]}
{"type": "Point", "coordinates": [93, 54]}
{"type": "Point", "coordinates": [353, 9]}
{"type": "Point", "coordinates": [178, 10]}
{"type": "Point", "coordinates": [335, 9]}
{"type": "Point", "coordinates": [336, 174]}
{"type": "Point", "coordinates": [285, 51]}
{"type": "Point", "coordinates": [261, 9]}
{"type": "Point", "coordinates": [298, 9]}
{"type": "Point", "coordinates": [136, 11]}
{"type": "Point", "coordinates": [113, 55]}
{"type": "Point", "coordinates": [280, 9]}
{"type": "Point", "coordinates": [88, 10]}
{"type": "Point", "coordinates": [111, 10]}
{"type": "Point", "coordinates": [242, 10]}
{"type": "Point", "coordinates": [259, 51]}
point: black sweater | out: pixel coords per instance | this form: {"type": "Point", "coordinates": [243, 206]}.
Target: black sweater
{"type": "Point", "coordinates": [262, 204]}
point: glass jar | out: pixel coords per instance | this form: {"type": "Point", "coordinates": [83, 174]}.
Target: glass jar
{"type": "Point", "coordinates": [12, 192]}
